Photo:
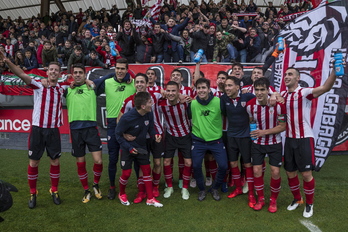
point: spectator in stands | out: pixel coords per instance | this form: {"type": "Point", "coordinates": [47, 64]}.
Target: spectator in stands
{"type": "Point", "coordinates": [144, 48]}
{"type": "Point", "coordinates": [212, 41]}
{"type": "Point", "coordinates": [19, 59]}
{"type": "Point", "coordinates": [59, 35]}
{"type": "Point", "coordinates": [92, 60]}
{"type": "Point", "coordinates": [224, 48]}
{"type": "Point", "coordinates": [126, 41]}
{"type": "Point", "coordinates": [224, 26]}
{"type": "Point", "coordinates": [200, 41]}
{"type": "Point", "coordinates": [158, 37]}
{"type": "Point", "coordinates": [184, 47]}
{"type": "Point", "coordinates": [49, 54]}
{"type": "Point", "coordinates": [93, 28]}
{"type": "Point", "coordinates": [64, 52]}
{"type": "Point", "coordinates": [76, 58]}
{"type": "Point", "coordinates": [253, 45]}
{"type": "Point", "coordinates": [30, 61]}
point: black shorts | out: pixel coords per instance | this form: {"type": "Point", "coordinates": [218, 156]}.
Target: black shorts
{"type": "Point", "coordinates": [299, 154]}
{"type": "Point", "coordinates": [183, 144]}
{"type": "Point", "coordinates": [157, 149]}
{"type": "Point", "coordinates": [274, 152]}
{"type": "Point", "coordinates": [80, 138]}
{"type": "Point", "coordinates": [127, 159]}
{"type": "Point", "coordinates": [41, 138]}
{"type": "Point", "coordinates": [239, 145]}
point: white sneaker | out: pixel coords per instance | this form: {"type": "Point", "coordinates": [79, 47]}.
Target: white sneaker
{"type": "Point", "coordinates": [308, 211]}
{"type": "Point", "coordinates": [154, 202]}
{"type": "Point", "coordinates": [294, 204]}
{"type": "Point", "coordinates": [245, 188]}
{"type": "Point", "coordinates": [208, 181]}
{"type": "Point", "coordinates": [168, 192]}
{"type": "Point", "coordinates": [193, 183]}
{"type": "Point", "coordinates": [185, 194]}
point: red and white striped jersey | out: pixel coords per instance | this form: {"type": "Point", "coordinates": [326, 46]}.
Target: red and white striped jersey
{"type": "Point", "coordinates": [47, 111]}
{"type": "Point", "coordinates": [218, 93]}
{"type": "Point", "coordinates": [175, 118]}
{"type": "Point", "coordinates": [187, 91]}
{"type": "Point", "coordinates": [154, 88]}
{"type": "Point", "coordinates": [298, 108]}
{"type": "Point", "coordinates": [251, 89]}
{"type": "Point", "coordinates": [266, 117]}
{"type": "Point", "coordinates": [128, 104]}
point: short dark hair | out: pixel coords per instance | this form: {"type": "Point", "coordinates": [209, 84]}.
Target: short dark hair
{"type": "Point", "coordinates": [297, 70]}
{"type": "Point", "coordinates": [173, 83]}
{"type": "Point", "coordinates": [223, 73]}
{"type": "Point", "coordinates": [142, 75]}
{"type": "Point", "coordinates": [202, 81]}
{"type": "Point", "coordinates": [263, 81]}
{"type": "Point", "coordinates": [141, 99]}
{"type": "Point", "coordinates": [260, 68]}
{"type": "Point", "coordinates": [122, 61]}
{"type": "Point", "coordinates": [234, 79]}
{"type": "Point", "coordinates": [237, 64]}
{"type": "Point", "coordinates": [176, 70]}
{"type": "Point", "coordinates": [79, 65]}
{"type": "Point", "coordinates": [152, 70]}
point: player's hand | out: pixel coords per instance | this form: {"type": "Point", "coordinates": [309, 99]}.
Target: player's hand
{"type": "Point", "coordinates": [90, 84]}
{"type": "Point", "coordinates": [257, 133]}
{"type": "Point", "coordinates": [45, 83]}
{"type": "Point", "coordinates": [129, 137]}
{"type": "Point", "coordinates": [134, 151]}
{"type": "Point", "coordinates": [158, 138]}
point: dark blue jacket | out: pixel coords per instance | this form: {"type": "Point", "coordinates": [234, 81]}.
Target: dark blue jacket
{"type": "Point", "coordinates": [238, 118]}
{"type": "Point", "coordinates": [31, 63]}
{"type": "Point", "coordinates": [136, 125]}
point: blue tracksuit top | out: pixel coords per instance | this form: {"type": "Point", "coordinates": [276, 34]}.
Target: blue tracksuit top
{"type": "Point", "coordinates": [237, 116]}
{"type": "Point", "coordinates": [137, 125]}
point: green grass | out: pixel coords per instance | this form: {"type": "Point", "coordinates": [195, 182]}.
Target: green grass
{"type": "Point", "coordinates": [330, 209]}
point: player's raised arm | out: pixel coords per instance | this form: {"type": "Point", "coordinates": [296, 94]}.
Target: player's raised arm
{"type": "Point", "coordinates": [16, 70]}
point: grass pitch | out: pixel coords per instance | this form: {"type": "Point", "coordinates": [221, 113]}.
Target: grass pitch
{"type": "Point", "coordinates": [330, 209]}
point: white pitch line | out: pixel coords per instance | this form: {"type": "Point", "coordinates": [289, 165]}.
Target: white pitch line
{"type": "Point", "coordinates": [310, 226]}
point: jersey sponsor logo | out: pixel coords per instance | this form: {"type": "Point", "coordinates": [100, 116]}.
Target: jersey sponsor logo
{"type": "Point", "coordinates": [79, 91]}
{"type": "Point", "coordinates": [146, 122]}
{"type": "Point", "coordinates": [120, 88]}
{"type": "Point", "coordinates": [205, 112]}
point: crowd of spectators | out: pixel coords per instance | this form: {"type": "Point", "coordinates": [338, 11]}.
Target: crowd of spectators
{"type": "Point", "coordinates": [226, 31]}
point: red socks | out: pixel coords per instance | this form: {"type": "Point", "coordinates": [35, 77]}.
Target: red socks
{"type": "Point", "coordinates": [186, 177]}
{"type": "Point", "coordinates": [124, 180]}
{"type": "Point", "coordinates": [294, 185]}
{"type": "Point", "coordinates": [168, 175]}
{"type": "Point", "coordinates": [97, 170]}
{"type": "Point", "coordinates": [259, 186]}
{"type": "Point", "coordinates": [275, 188]}
{"type": "Point", "coordinates": [54, 175]}
{"type": "Point", "coordinates": [82, 173]}
{"type": "Point", "coordinates": [33, 173]}
{"type": "Point", "coordinates": [147, 180]}
{"type": "Point", "coordinates": [309, 188]}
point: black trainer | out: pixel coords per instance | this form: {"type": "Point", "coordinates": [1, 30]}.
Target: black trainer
{"type": "Point", "coordinates": [112, 194]}
{"type": "Point", "coordinates": [32, 201]}
{"type": "Point", "coordinates": [55, 197]}
{"type": "Point", "coordinates": [215, 194]}
{"type": "Point", "coordinates": [202, 195]}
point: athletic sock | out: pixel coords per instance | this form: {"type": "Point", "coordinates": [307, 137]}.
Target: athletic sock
{"type": "Point", "coordinates": [54, 175]}
{"type": "Point", "coordinates": [141, 185]}
{"type": "Point", "coordinates": [275, 188]}
{"type": "Point", "coordinates": [147, 180]}
{"type": "Point", "coordinates": [97, 170]}
{"type": "Point", "coordinates": [259, 186]}
{"type": "Point", "coordinates": [309, 188]}
{"type": "Point", "coordinates": [236, 177]}
{"type": "Point", "coordinates": [186, 177]}
{"type": "Point", "coordinates": [156, 178]}
{"type": "Point", "coordinates": [33, 173]}
{"type": "Point", "coordinates": [213, 168]}
{"type": "Point", "coordinates": [124, 180]}
{"type": "Point", "coordinates": [82, 173]}
{"type": "Point", "coordinates": [294, 185]}
{"type": "Point", "coordinates": [249, 174]}
{"type": "Point", "coordinates": [168, 175]}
